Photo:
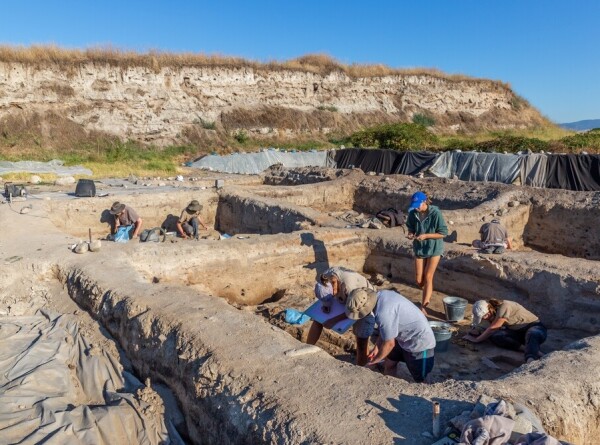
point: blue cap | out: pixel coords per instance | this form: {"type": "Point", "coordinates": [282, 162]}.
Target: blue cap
{"type": "Point", "coordinates": [416, 200]}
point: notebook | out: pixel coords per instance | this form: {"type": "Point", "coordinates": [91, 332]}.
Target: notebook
{"type": "Point", "coordinates": [315, 312]}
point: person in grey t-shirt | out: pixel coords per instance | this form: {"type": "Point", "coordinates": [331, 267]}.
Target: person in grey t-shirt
{"type": "Point", "coordinates": [494, 238]}
{"type": "Point", "coordinates": [404, 332]}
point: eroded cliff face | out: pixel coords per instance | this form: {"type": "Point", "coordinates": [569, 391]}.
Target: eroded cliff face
{"type": "Point", "coordinates": [172, 105]}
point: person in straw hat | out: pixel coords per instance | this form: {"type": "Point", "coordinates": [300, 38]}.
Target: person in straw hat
{"type": "Point", "coordinates": [125, 216]}
{"type": "Point", "coordinates": [190, 220]}
{"type": "Point", "coordinates": [404, 332]}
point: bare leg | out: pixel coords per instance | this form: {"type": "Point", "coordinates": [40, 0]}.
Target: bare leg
{"type": "Point", "coordinates": [430, 267]}
{"type": "Point", "coordinates": [314, 333]}
{"type": "Point", "coordinates": [390, 368]}
{"type": "Point", "coordinates": [419, 272]}
{"type": "Point", "coordinates": [362, 350]}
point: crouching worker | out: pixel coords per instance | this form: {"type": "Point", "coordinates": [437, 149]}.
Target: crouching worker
{"type": "Point", "coordinates": [190, 220]}
{"type": "Point", "coordinates": [338, 282]}
{"type": "Point", "coordinates": [511, 326]}
{"type": "Point", "coordinates": [494, 238]}
{"type": "Point", "coordinates": [404, 332]}
{"type": "Point", "coordinates": [125, 216]}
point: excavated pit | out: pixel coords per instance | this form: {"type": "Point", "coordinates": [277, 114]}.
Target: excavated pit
{"type": "Point", "coordinates": [204, 317]}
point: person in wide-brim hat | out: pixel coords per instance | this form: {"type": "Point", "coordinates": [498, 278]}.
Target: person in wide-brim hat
{"type": "Point", "coordinates": [193, 207]}
{"type": "Point", "coordinates": [404, 333]}
{"type": "Point", "coordinates": [190, 220]}
{"type": "Point", "coordinates": [125, 216]}
{"type": "Point", "coordinates": [117, 208]}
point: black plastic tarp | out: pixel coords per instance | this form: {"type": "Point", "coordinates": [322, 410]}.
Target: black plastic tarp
{"type": "Point", "coordinates": [384, 161]}
{"type": "Point", "coordinates": [573, 172]}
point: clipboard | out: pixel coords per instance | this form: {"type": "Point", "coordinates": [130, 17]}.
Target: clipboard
{"type": "Point", "coordinates": [315, 312]}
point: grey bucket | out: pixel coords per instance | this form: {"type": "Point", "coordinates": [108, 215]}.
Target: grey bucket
{"type": "Point", "coordinates": [442, 333]}
{"type": "Point", "coordinates": [454, 308]}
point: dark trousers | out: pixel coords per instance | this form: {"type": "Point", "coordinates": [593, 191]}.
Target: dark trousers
{"type": "Point", "coordinates": [532, 336]}
{"type": "Point", "coordinates": [191, 227]}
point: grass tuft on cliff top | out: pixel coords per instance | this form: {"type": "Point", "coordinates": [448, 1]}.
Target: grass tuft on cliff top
{"type": "Point", "coordinates": [323, 64]}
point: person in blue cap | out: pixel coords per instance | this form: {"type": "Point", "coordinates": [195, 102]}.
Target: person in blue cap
{"type": "Point", "coordinates": [427, 228]}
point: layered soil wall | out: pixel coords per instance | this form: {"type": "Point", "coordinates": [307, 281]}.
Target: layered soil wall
{"type": "Point", "coordinates": [166, 105]}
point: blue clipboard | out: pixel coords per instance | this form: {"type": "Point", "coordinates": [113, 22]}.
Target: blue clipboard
{"type": "Point", "coordinates": [315, 312]}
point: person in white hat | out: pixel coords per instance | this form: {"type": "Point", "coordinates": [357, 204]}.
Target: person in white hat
{"type": "Point", "coordinates": [511, 327]}
{"type": "Point", "coordinates": [404, 332]}
{"type": "Point", "coordinates": [338, 282]}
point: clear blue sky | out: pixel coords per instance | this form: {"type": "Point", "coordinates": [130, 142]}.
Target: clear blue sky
{"type": "Point", "coordinates": [547, 50]}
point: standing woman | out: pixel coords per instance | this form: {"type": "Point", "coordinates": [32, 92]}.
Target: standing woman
{"type": "Point", "coordinates": [427, 228]}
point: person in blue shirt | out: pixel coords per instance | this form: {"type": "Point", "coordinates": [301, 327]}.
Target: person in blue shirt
{"type": "Point", "coordinates": [427, 228]}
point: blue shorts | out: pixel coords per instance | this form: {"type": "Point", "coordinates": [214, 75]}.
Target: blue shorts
{"type": "Point", "coordinates": [419, 364]}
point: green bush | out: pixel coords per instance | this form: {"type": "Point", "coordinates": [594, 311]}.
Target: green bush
{"type": "Point", "coordinates": [241, 136]}
{"type": "Point", "coordinates": [512, 144]}
{"type": "Point", "coordinates": [395, 136]}
{"type": "Point", "coordinates": [207, 125]}
{"type": "Point", "coordinates": [423, 119]}
{"type": "Point", "coordinates": [589, 139]}
{"type": "Point", "coordinates": [327, 108]}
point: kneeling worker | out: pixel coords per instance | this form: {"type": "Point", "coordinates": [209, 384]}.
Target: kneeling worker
{"type": "Point", "coordinates": [338, 282]}
{"type": "Point", "coordinates": [125, 216]}
{"type": "Point", "coordinates": [404, 332]}
{"type": "Point", "coordinates": [494, 238]}
{"type": "Point", "coordinates": [190, 220]}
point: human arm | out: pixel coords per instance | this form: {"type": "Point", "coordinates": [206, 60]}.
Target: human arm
{"type": "Point", "coordinates": [509, 244]}
{"type": "Point", "coordinates": [333, 321]}
{"type": "Point", "coordinates": [411, 225]}
{"type": "Point", "coordinates": [180, 230]}
{"type": "Point", "coordinates": [381, 350]}
{"type": "Point", "coordinates": [496, 324]}
{"type": "Point", "coordinates": [138, 227]}
{"type": "Point", "coordinates": [424, 236]}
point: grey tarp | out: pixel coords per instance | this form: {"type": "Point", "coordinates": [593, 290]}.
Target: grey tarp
{"type": "Point", "coordinates": [54, 166]}
{"type": "Point", "coordinates": [474, 166]}
{"type": "Point", "coordinates": [533, 169]}
{"type": "Point", "coordinates": [56, 388]}
{"type": "Point", "coordinates": [253, 163]}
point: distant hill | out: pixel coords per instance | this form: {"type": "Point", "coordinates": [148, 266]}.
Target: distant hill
{"type": "Point", "coordinates": [582, 125]}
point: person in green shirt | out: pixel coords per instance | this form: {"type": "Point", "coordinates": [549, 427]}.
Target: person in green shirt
{"type": "Point", "coordinates": [427, 228]}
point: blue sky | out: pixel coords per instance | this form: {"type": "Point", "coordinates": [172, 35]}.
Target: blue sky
{"type": "Point", "coordinates": [546, 50]}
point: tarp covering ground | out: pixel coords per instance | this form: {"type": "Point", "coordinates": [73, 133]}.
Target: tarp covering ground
{"type": "Point", "coordinates": [57, 388]}
{"type": "Point", "coordinates": [55, 166]}
{"type": "Point", "coordinates": [579, 172]}
{"type": "Point", "coordinates": [254, 163]}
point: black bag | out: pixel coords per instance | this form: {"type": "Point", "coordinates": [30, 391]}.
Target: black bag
{"type": "Point", "coordinates": [14, 190]}
{"type": "Point", "coordinates": [392, 217]}
{"type": "Point", "coordinates": [153, 235]}
{"type": "Point", "coordinates": [85, 187]}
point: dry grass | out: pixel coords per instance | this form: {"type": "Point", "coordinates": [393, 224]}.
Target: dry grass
{"type": "Point", "coordinates": [40, 55]}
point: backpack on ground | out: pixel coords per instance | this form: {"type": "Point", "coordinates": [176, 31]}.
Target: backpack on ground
{"type": "Point", "coordinates": [391, 217]}
{"type": "Point", "coordinates": [154, 235]}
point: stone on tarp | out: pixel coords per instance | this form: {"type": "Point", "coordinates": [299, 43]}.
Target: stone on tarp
{"type": "Point", "coordinates": [65, 180]}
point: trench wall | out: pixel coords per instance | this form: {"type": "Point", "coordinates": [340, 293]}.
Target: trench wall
{"type": "Point", "coordinates": [251, 271]}
{"type": "Point", "coordinates": [250, 213]}
{"type": "Point", "coordinates": [561, 297]}
{"type": "Point", "coordinates": [560, 230]}
{"type": "Point", "coordinates": [75, 216]}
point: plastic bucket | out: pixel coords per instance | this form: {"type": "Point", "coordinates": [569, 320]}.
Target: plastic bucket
{"type": "Point", "coordinates": [454, 308]}
{"type": "Point", "coordinates": [442, 333]}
